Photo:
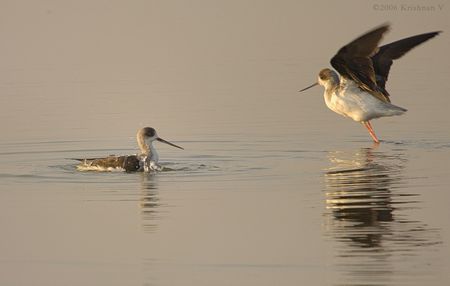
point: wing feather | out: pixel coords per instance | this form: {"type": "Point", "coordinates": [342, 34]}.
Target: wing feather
{"type": "Point", "coordinates": [383, 59]}
{"type": "Point", "coordinates": [354, 62]}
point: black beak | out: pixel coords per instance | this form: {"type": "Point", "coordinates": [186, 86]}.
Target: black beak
{"type": "Point", "coordinates": [312, 85]}
{"type": "Point", "coordinates": [168, 143]}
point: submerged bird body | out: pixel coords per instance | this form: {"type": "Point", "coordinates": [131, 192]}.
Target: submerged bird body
{"type": "Point", "coordinates": [146, 160]}
{"type": "Point", "coordinates": [359, 92]}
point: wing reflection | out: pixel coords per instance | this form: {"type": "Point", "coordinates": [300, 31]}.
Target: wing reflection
{"type": "Point", "coordinates": [367, 214]}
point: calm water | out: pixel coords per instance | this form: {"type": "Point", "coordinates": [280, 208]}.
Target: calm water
{"type": "Point", "coordinates": [272, 188]}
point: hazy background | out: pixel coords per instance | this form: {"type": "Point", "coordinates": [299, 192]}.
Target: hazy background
{"type": "Point", "coordinates": [272, 187]}
{"type": "Point", "coordinates": [77, 67]}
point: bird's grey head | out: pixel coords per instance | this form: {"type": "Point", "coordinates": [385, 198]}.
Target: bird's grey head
{"type": "Point", "coordinates": [149, 133]}
{"type": "Point", "coordinates": [328, 78]}
{"type": "Point", "coordinates": [145, 136]}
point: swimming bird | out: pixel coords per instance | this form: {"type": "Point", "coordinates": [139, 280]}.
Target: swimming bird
{"type": "Point", "coordinates": [146, 160]}
{"type": "Point", "coordinates": [359, 92]}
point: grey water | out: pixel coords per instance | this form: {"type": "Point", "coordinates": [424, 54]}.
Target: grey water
{"type": "Point", "coordinates": [272, 187]}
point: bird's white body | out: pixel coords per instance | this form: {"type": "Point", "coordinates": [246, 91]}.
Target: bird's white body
{"type": "Point", "coordinates": [348, 100]}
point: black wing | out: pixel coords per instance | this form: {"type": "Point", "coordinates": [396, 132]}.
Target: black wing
{"type": "Point", "coordinates": [383, 59]}
{"type": "Point", "coordinates": [354, 62]}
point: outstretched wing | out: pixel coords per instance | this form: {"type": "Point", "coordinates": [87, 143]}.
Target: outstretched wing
{"type": "Point", "coordinates": [383, 59]}
{"type": "Point", "coordinates": [354, 61]}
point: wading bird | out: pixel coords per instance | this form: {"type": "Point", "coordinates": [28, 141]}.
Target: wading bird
{"type": "Point", "coordinates": [359, 92]}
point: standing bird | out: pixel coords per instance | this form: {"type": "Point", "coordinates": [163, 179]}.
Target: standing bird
{"type": "Point", "coordinates": [146, 160]}
{"type": "Point", "coordinates": [359, 92]}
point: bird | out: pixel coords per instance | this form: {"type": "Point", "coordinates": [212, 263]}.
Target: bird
{"type": "Point", "coordinates": [359, 91]}
{"type": "Point", "coordinates": [146, 160]}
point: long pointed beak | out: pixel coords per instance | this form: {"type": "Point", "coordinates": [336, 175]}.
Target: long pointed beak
{"type": "Point", "coordinates": [312, 85]}
{"type": "Point", "coordinates": [168, 143]}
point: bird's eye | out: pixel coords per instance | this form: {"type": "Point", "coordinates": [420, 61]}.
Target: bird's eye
{"type": "Point", "coordinates": [150, 132]}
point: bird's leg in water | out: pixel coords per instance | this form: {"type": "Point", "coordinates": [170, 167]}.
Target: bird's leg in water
{"type": "Point", "coordinates": [371, 132]}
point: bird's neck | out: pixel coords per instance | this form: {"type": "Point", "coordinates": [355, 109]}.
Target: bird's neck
{"type": "Point", "coordinates": [143, 146]}
{"type": "Point", "coordinates": [327, 96]}
{"type": "Point", "coordinates": [147, 149]}
{"type": "Point", "coordinates": [152, 153]}
{"type": "Point", "coordinates": [330, 88]}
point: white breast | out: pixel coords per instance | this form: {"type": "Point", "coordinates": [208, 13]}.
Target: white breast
{"type": "Point", "coordinates": [350, 101]}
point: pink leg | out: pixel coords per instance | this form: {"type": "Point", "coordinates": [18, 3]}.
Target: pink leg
{"type": "Point", "coordinates": [371, 132]}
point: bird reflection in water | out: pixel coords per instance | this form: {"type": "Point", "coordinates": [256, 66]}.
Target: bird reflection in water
{"type": "Point", "coordinates": [367, 213]}
{"type": "Point", "coordinates": [358, 190]}
{"type": "Point", "coordinates": [149, 202]}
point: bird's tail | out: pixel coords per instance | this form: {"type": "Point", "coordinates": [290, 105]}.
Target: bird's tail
{"type": "Point", "coordinates": [395, 110]}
